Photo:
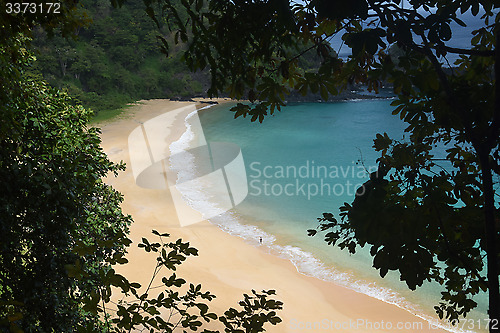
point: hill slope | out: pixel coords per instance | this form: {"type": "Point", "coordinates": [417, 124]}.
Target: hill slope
{"type": "Point", "coordinates": [115, 59]}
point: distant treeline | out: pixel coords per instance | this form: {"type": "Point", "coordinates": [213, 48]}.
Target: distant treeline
{"type": "Point", "coordinates": [115, 59]}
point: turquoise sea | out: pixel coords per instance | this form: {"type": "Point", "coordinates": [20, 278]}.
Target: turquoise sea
{"type": "Point", "coordinates": [301, 162]}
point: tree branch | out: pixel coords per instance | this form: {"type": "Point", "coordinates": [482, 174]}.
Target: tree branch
{"type": "Point", "coordinates": [455, 50]}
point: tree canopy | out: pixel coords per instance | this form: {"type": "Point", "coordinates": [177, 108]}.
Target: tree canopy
{"type": "Point", "coordinates": [426, 220]}
{"type": "Point", "coordinates": [60, 222]}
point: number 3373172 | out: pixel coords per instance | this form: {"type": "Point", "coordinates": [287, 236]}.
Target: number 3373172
{"type": "Point", "coordinates": [33, 8]}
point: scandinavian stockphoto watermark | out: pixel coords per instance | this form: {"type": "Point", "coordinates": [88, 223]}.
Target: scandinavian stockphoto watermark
{"type": "Point", "coordinates": [308, 179]}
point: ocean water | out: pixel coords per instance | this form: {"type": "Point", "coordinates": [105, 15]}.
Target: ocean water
{"type": "Point", "coordinates": [301, 162]}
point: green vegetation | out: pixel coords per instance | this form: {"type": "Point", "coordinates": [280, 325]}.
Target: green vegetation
{"type": "Point", "coordinates": [61, 227]}
{"type": "Point", "coordinates": [427, 222]}
{"type": "Point", "coordinates": [107, 115]}
{"type": "Point", "coordinates": [114, 60]}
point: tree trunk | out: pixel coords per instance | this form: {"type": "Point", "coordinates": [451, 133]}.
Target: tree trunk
{"type": "Point", "coordinates": [63, 67]}
{"type": "Point", "coordinates": [491, 242]}
{"type": "Point", "coordinates": [489, 202]}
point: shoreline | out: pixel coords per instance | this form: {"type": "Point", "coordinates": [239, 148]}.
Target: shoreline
{"type": "Point", "coordinates": [227, 265]}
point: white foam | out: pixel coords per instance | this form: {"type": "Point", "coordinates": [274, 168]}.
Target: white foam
{"type": "Point", "coordinates": [182, 162]}
{"type": "Point", "coordinates": [305, 262]}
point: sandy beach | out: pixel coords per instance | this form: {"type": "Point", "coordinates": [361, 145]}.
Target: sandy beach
{"type": "Point", "coordinates": [227, 266]}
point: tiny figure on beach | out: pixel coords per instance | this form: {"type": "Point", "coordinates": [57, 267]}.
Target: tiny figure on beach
{"type": "Point", "coordinates": [260, 240]}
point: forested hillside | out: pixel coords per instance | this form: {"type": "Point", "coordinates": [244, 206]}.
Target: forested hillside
{"type": "Point", "coordinates": [115, 59]}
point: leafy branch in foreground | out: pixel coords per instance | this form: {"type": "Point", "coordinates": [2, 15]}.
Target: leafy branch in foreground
{"type": "Point", "coordinates": [179, 306]}
{"type": "Point", "coordinates": [61, 226]}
